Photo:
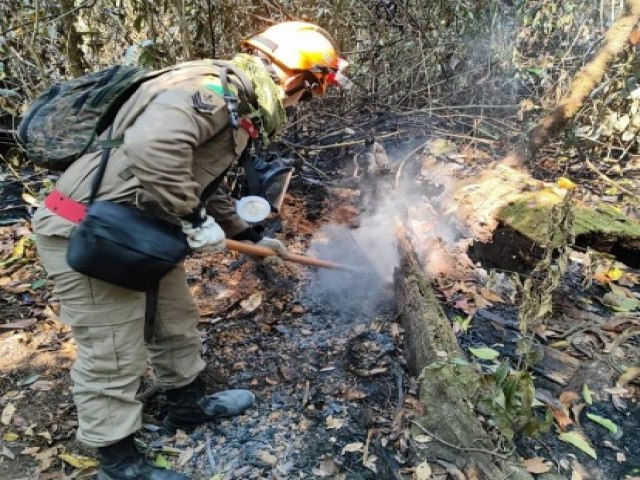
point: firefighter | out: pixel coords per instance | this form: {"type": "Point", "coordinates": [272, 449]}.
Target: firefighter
{"type": "Point", "coordinates": [172, 159]}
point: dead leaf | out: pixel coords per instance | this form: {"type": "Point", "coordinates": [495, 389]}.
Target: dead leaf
{"type": "Point", "coordinates": [334, 423]}
{"type": "Point", "coordinates": [576, 475]}
{"type": "Point", "coordinates": [10, 437]}
{"type": "Point", "coordinates": [18, 325]}
{"type": "Point", "coordinates": [567, 398]}
{"type": "Point", "coordinates": [621, 457]}
{"type": "Point", "coordinates": [537, 465]}
{"type": "Point", "coordinates": [7, 413]}
{"type": "Point", "coordinates": [634, 37]}
{"type": "Point", "coordinates": [78, 461]}
{"type": "Point", "coordinates": [30, 451]}
{"type": "Point", "coordinates": [370, 463]}
{"type": "Point", "coordinates": [353, 447]}
{"type": "Point", "coordinates": [42, 385]}
{"type": "Point", "coordinates": [250, 304]}
{"type": "Point", "coordinates": [354, 394]}
{"type": "Point", "coordinates": [7, 453]}
{"type": "Point", "coordinates": [629, 375]}
{"type": "Point", "coordinates": [562, 419]}
{"type": "Point", "coordinates": [268, 458]}
{"type": "Point", "coordinates": [616, 390]}
{"type": "Point", "coordinates": [423, 471]}
{"type": "Point", "coordinates": [185, 456]}
{"type": "Point", "coordinates": [326, 468]}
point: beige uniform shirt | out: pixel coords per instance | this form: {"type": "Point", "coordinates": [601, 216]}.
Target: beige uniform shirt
{"type": "Point", "coordinates": [177, 140]}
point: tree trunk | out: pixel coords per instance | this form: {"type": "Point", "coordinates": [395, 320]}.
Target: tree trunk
{"type": "Point", "coordinates": [72, 40]}
{"type": "Point", "coordinates": [586, 79]}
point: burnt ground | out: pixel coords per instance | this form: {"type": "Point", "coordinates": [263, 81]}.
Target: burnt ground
{"type": "Point", "coordinates": [321, 350]}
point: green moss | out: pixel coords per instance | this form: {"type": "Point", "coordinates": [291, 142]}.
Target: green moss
{"type": "Point", "coordinates": [530, 217]}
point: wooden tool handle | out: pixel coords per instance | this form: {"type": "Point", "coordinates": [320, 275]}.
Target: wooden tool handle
{"type": "Point", "coordinates": [260, 251]}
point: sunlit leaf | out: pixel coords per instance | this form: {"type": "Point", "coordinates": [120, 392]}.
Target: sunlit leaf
{"type": "Point", "coordinates": [484, 353]}
{"type": "Point", "coordinates": [162, 462]}
{"type": "Point", "coordinates": [615, 274]}
{"type": "Point", "coordinates": [78, 461]}
{"type": "Point", "coordinates": [579, 441]}
{"type": "Point", "coordinates": [423, 471]}
{"type": "Point", "coordinates": [30, 199]}
{"type": "Point", "coordinates": [10, 436]}
{"type": "Point", "coordinates": [7, 413]}
{"type": "Point", "coordinates": [605, 422]}
{"type": "Point", "coordinates": [565, 183]}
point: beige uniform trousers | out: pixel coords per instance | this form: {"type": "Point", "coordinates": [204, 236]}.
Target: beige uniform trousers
{"type": "Point", "coordinates": [108, 323]}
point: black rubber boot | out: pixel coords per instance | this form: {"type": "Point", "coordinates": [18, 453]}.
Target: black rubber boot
{"type": "Point", "coordinates": [121, 461]}
{"type": "Point", "coordinates": [188, 406]}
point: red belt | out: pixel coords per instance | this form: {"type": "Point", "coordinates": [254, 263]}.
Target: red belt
{"type": "Point", "coordinates": [66, 207]}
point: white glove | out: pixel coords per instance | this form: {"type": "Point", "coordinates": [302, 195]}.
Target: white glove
{"type": "Point", "coordinates": [274, 244]}
{"type": "Point", "coordinates": [207, 237]}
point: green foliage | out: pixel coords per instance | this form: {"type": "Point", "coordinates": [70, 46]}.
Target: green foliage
{"type": "Point", "coordinates": [509, 397]}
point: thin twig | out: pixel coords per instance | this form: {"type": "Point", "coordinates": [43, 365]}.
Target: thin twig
{"type": "Point", "coordinates": [53, 16]}
{"type": "Point", "coordinates": [502, 456]}
{"type": "Point", "coordinates": [407, 157]}
{"type": "Point", "coordinates": [337, 145]}
{"type": "Point", "coordinates": [606, 179]}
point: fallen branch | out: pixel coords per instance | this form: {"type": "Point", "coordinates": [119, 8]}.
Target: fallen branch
{"type": "Point", "coordinates": [586, 79]}
{"type": "Point", "coordinates": [608, 181]}
{"type": "Point", "coordinates": [495, 453]}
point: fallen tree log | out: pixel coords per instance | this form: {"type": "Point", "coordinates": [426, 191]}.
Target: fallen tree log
{"type": "Point", "coordinates": [448, 390]}
{"type": "Point", "coordinates": [500, 216]}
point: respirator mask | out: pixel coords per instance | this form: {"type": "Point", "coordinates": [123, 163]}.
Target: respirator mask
{"type": "Point", "coordinates": [264, 187]}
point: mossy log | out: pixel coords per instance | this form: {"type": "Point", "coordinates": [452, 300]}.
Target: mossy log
{"type": "Point", "coordinates": [446, 389]}
{"type": "Point", "coordinates": [603, 227]}
{"type": "Point", "coordinates": [504, 216]}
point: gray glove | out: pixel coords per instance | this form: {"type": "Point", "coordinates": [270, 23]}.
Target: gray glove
{"type": "Point", "coordinates": [275, 245]}
{"type": "Point", "coordinates": [207, 237]}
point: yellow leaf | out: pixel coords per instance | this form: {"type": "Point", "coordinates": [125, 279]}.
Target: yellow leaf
{"type": "Point", "coordinates": [78, 461]}
{"type": "Point", "coordinates": [615, 274]}
{"type": "Point", "coordinates": [566, 184]}
{"type": "Point", "coordinates": [10, 436]}
{"type": "Point", "coordinates": [629, 374]}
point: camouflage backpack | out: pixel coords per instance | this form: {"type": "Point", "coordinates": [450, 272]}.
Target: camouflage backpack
{"type": "Point", "coordinates": [62, 124]}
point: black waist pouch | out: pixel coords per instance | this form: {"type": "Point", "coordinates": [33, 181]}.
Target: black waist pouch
{"type": "Point", "coordinates": [123, 245]}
